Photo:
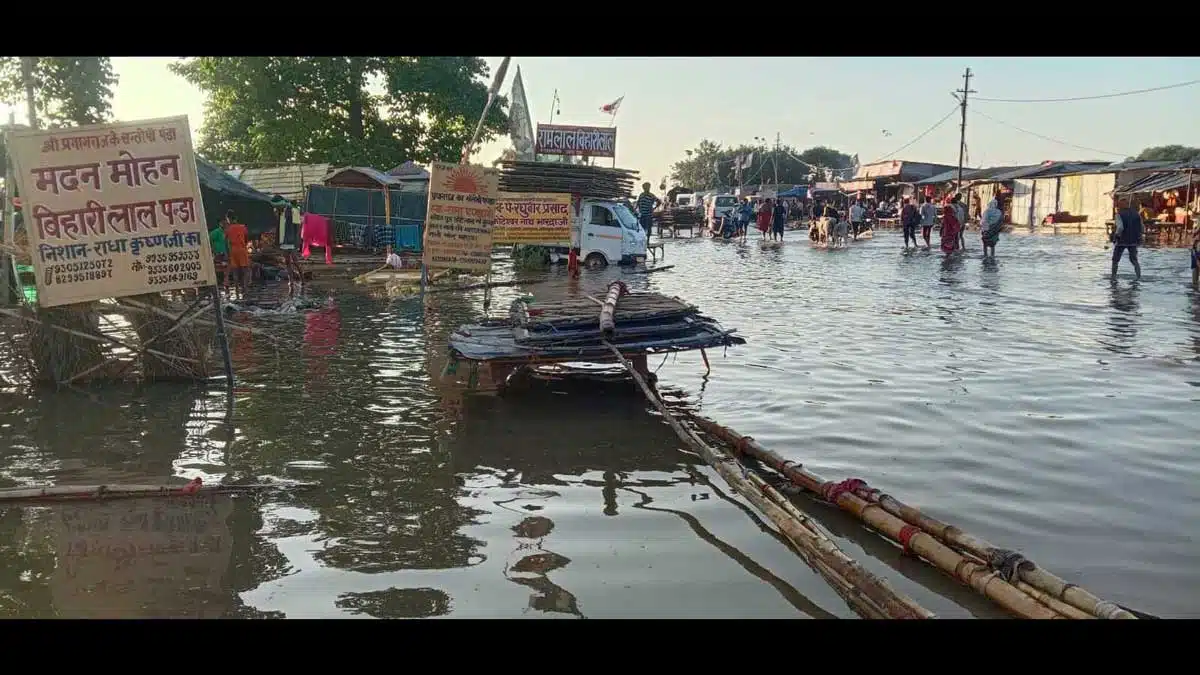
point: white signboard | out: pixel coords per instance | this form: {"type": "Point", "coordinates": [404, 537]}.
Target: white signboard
{"type": "Point", "coordinates": [112, 210]}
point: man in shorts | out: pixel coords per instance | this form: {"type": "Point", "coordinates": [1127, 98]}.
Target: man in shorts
{"type": "Point", "coordinates": [239, 254]}
{"type": "Point", "coordinates": [1127, 236]}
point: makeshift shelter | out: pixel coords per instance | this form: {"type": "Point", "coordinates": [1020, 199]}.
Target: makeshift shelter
{"type": "Point", "coordinates": [290, 180]}
{"type": "Point", "coordinates": [369, 218]}
{"type": "Point", "coordinates": [222, 192]}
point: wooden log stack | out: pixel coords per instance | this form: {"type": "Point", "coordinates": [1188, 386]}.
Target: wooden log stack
{"type": "Point", "coordinates": [576, 179]}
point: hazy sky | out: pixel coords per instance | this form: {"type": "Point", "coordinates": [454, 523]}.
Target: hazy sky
{"type": "Point", "coordinates": [845, 103]}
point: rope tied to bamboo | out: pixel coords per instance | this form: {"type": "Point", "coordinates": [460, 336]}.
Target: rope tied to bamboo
{"type": "Point", "coordinates": [742, 446]}
{"type": "Point", "coordinates": [905, 537]}
{"type": "Point", "coordinates": [1009, 563]}
{"type": "Point", "coordinates": [832, 491]}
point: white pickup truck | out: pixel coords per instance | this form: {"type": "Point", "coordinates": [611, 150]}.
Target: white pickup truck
{"type": "Point", "coordinates": [606, 232]}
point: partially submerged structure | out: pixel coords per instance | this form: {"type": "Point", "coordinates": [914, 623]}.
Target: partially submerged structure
{"type": "Point", "coordinates": [578, 331]}
{"type": "Point", "coordinates": [371, 209]}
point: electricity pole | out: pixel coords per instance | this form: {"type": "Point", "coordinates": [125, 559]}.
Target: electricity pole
{"type": "Point", "coordinates": [962, 139]}
{"type": "Point", "coordinates": [775, 160]}
{"type": "Point", "coordinates": [962, 148]}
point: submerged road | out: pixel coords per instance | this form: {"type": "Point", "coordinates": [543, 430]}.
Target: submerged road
{"type": "Point", "coordinates": [1029, 401]}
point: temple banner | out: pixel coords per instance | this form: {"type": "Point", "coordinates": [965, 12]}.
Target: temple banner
{"type": "Point", "coordinates": [557, 139]}
{"type": "Point", "coordinates": [112, 210]}
{"type": "Point", "coordinates": [532, 218]}
{"type": "Point", "coordinates": [462, 209]}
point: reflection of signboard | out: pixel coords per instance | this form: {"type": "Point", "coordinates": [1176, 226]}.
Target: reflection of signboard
{"type": "Point", "coordinates": [112, 210]}
{"type": "Point", "coordinates": [142, 558]}
{"type": "Point", "coordinates": [560, 139]}
{"type": "Point", "coordinates": [462, 207]}
{"type": "Point", "coordinates": [523, 218]}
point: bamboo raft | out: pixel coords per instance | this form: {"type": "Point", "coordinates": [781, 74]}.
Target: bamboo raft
{"type": "Point", "coordinates": [581, 331]}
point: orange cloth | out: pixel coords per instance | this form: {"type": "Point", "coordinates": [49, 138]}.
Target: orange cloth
{"type": "Point", "coordinates": [237, 236]}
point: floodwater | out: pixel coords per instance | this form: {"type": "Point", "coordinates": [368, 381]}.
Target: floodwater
{"type": "Point", "coordinates": [1028, 401]}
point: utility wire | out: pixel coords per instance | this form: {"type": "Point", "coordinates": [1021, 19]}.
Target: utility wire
{"type": "Point", "coordinates": [1047, 138]}
{"type": "Point", "coordinates": [923, 135]}
{"type": "Point", "coordinates": [1089, 98]}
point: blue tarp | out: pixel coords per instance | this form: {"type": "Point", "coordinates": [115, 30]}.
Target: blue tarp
{"type": "Point", "coordinates": [799, 191]}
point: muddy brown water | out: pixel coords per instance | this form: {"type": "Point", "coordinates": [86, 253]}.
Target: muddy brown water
{"type": "Point", "coordinates": [1029, 401]}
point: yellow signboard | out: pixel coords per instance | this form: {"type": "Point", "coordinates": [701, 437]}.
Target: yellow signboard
{"type": "Point", "coordinates": [112, 210]}
{"type": "Point", "coordinates": [528, 218]}
{"type": "Point", "coordinates": [462, 207]}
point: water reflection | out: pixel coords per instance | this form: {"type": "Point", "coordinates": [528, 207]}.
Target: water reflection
{"type": "Point", "coordinates": [1123, 320]}
{"type": "Point", "coordinates": [995, 417]}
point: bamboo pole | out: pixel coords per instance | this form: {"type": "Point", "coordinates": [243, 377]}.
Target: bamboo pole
{"type": "Point", "coordinates": [866, 593]}
{"type": "Point", "coordinates": [608, 323]}
{"type": "Point", "coordinates": [82, 492]}
{"type": "Point", "coordinates": [974, 573]}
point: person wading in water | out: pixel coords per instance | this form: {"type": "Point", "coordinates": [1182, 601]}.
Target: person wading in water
{"type": "Point", "coordinates": [646, 203]}
{"type": "Point", "coordinates": [910, 218]}
{"type": "Point", "coordinates": [990, 224]}
{"type": "Point", "coordinates": [1127, 236]}
{"type": "Point", "coordinates": [928, 218]}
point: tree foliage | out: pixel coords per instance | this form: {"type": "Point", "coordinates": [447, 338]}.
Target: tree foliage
{"type": "Point", "coordinates": [1168, 153]}
{"type": "Point", "coordinates": [68, 90]}
{"type": "Point", "coordinates": [349, 111]}
{"type": "Point", "coordinates": [711, 165]}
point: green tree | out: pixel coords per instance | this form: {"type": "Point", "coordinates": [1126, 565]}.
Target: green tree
{"type": "Point", "coordinates": [68, 90]}
{"type": "Point", "coordinates": [359, 111]}
{"type": "Point", "coordinates": [1168, 153]}
{"type": "Point", "coordinates": [710, 165]}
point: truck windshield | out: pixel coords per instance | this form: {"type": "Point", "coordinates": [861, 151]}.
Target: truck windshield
{"type": "Point", "coordinates": [724, 202]}
{"type": "Point", "coordinates": [626, 217]}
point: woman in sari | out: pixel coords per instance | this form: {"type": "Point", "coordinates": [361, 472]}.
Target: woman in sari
{"type": "Point", "coordinates": [950, 228]}
{"type": "Point", "coordinates": [990, 225]}
{"type": "Point", "coordinates": [765, 213]}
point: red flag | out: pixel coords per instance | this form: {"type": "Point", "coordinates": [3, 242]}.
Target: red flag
{"type": "Point", "coordinates": [611, 108]}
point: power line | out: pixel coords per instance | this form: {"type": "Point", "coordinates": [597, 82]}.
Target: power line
{"type": "Point", "coordinates": [976, 111]}
{"type": "Point", "coordinates": [923, 135]}
{"type": "Point", "coordinates": [1089, 98]}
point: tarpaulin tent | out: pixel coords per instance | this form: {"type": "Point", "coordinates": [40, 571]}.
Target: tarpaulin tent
{"type": "Point", "coordinates": [222, 192]}
{"type": "Point", "coordinates": [797, 192]}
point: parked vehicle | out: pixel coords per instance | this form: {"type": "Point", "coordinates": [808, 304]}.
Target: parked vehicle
{"type": "Point", "coordinates": [606, 232]}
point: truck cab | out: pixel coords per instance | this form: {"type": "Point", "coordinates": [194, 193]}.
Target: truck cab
{"type": "Point", "coordinates": [606, 232]}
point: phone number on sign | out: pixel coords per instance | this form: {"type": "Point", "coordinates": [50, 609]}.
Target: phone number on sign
{"type": "Point", "coordinates": [75, 277]}
{"type": "Point", "coordinates": [173, 278]}
{"type": "Point", "coordinates": [178, 256]}
{"type": "Point", "coordinates": [84, 266]}
{"type": "Point", "coordinates": [155, 270]}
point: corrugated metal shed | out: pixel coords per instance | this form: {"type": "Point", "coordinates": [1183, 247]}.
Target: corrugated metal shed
{"type": "Point", "coordinates": [1048, 170]}
{"type": "Point", "coordinates": [409, 170]}
{"type": "Point", "coordinates": [1160, 182]}
{"type": "Point", "coordinates": [288, 181]}
{"type": "Point", "coordinates": [374, 174]}
{"type": "Point", "coordinates": [1118, 167]}
{"type": "Point", "coordinates": [212, 177]}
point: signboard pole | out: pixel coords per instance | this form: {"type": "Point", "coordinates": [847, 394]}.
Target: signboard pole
{"type": "Point", "coordinates": [7, 260]}
{"type": "Point", "coordinates": [226, 356]}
